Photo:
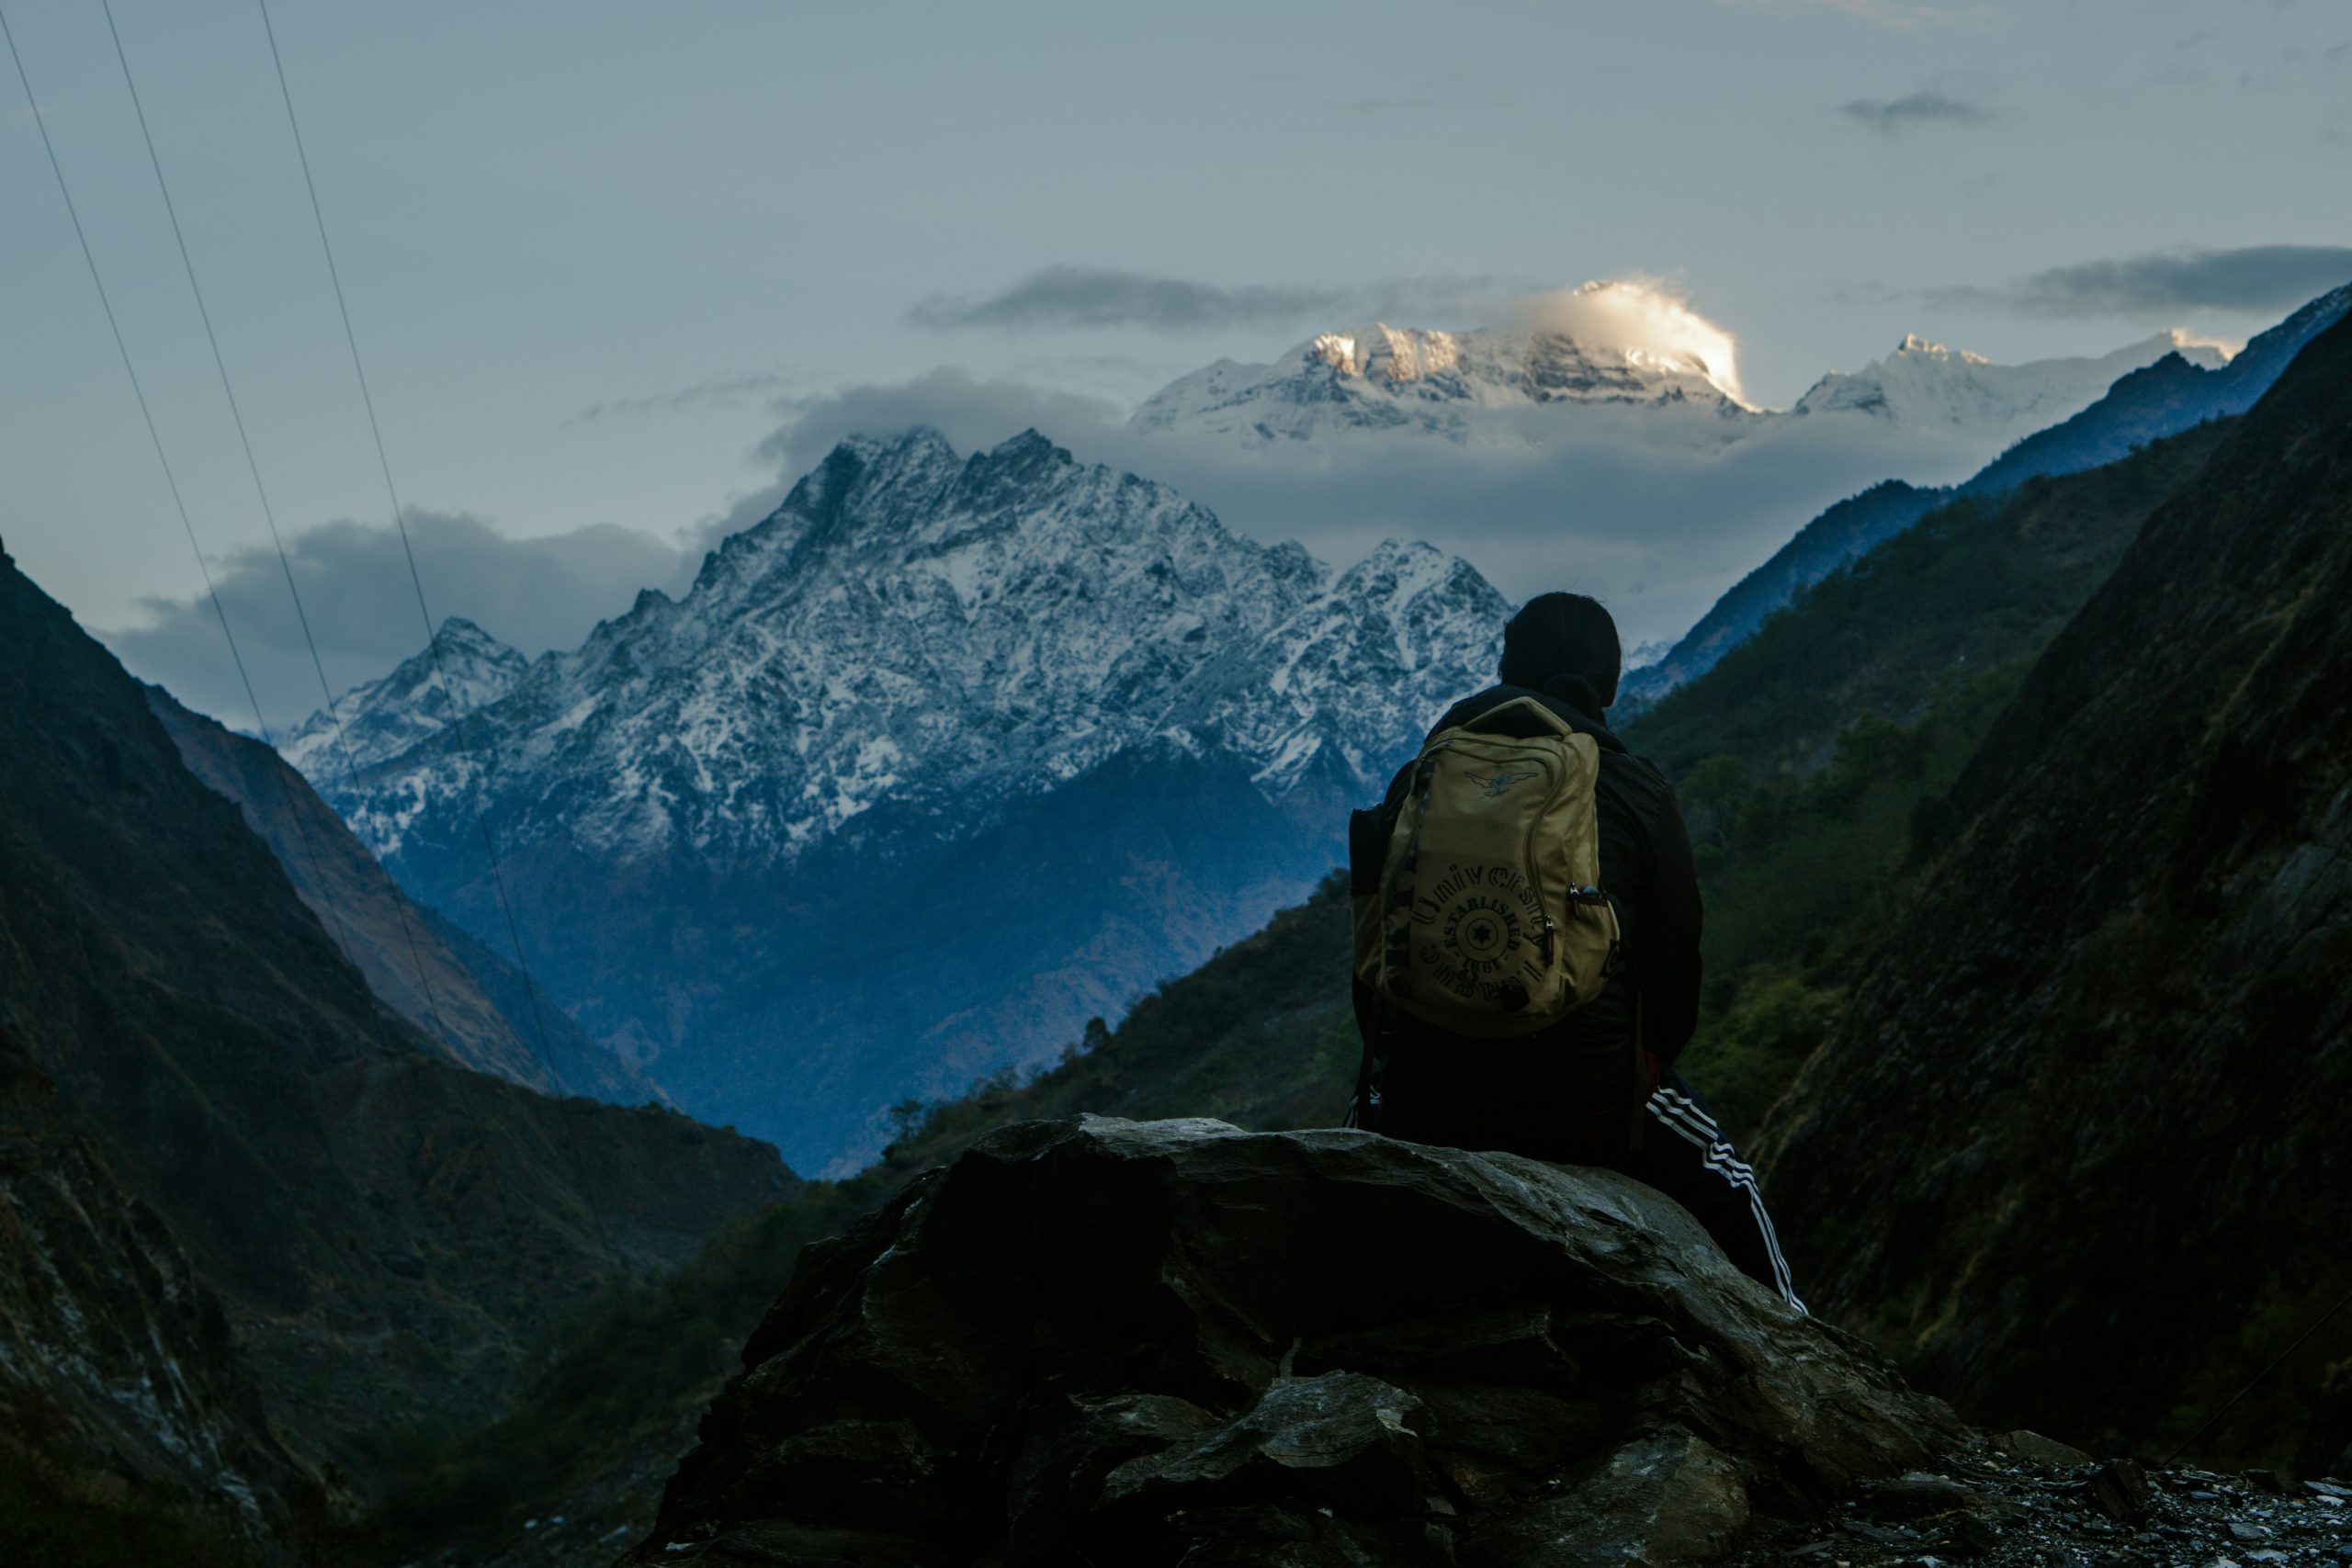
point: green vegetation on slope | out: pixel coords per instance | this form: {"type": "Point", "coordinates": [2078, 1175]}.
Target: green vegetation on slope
{"type": "Point", "coordinates": [1814, 760]}
{"type": "Point", "coordinates": [52, 1516]}
{"type": "Point", "coordinates": [2069, 1151]}
{"type": "Point", "coordinates": [1974, 584]}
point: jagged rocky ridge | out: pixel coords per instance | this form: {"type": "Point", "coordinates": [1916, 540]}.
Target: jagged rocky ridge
{"type": "Point", "coordinates": [2174, 393]}
{"type": "Point", "coordinates": [1042, 733]}
{"type": "Point", "coordinates": [464, 669]}
{"type": "Point", "coordinates": [1143, 1343]}
{"type": "Point", "coordinates": [2079, 1112]}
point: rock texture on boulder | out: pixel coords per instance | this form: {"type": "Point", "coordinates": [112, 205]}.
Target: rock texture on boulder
{"type": "Point", "coordinates": [1105, 1341]}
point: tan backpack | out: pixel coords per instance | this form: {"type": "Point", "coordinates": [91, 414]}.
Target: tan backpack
{"type": "Point", "coordinates": [1488, 919]}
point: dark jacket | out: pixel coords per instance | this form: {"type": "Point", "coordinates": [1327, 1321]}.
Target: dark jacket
{"type": "Point", "coordinates": [1645, 867]}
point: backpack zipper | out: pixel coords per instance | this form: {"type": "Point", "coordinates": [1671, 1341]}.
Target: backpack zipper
{"type": "Point", "coordinates": [1551, 944]}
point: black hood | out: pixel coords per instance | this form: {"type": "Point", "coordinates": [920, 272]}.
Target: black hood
{"type": "Point", "coordinates": [1570, 696]}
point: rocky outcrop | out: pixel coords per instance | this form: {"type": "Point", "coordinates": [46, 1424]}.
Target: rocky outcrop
{"type": "Point", "coordinates": [2074, 1145]}
{"type": "Point", "coordinates": [116, 1364]}
{"type": "Point", "coordinates": [1105, 1341]}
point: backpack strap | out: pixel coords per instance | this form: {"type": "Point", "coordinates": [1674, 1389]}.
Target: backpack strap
{"type": "Point", "coordinates": [1397, 932]}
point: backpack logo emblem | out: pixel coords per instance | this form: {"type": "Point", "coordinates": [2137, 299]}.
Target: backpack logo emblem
{"type": "Point", "coordinates": [1498, 784]}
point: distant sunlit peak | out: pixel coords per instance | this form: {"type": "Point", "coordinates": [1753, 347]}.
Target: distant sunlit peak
{"type": "Point", "coordinates": [1649, 320]}
{"type": "Point", "coordinates": [2227, 347]}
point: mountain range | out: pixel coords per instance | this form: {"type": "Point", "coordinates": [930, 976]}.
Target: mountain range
{"type": "Point", "coordinates": [2173, 392]}
{"type": "Point", "coordinates": [1060, 700]}
{"type": "Point", "coordinates": [1524, 385]}
{"type": "Point", "coordinates": [2023, 844]}
{"type": "Point", "coordinates": [945, 757]}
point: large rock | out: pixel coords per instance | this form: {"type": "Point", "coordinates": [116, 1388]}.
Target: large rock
{"type": "Point", "coordinates": [1108, 1341]}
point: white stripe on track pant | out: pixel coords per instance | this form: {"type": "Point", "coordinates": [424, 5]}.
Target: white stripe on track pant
{"type": "Point", "coordinates": [1696, 1166]}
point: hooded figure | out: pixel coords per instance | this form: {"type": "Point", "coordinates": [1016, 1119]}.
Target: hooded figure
{"type": "Point", "coordinates": [1527, 1095]}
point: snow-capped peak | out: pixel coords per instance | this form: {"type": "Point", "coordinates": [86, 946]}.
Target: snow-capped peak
{"type": "Point", "coordinates": [1424, 381]}
{"type": "Point", "coordinates": [1924, 385]}
{"type": "Point", "coordinates": [1625, 348]}
{"type": "Point", "coordinates": [386, 717]}
{"type": "Point", "coordinates": [939, 634]}
{"type": "Point", "coordinates": [1914, 343]}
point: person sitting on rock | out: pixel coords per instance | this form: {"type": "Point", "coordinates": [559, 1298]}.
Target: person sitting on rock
{"type": "Point", "coordinates": [1562, 1092]}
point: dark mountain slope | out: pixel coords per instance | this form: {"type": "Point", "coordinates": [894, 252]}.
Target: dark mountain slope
{"type": "Point", "coordinates": [2163, 398]}
{"type": "Point", "coordinates": [1813, 759]}
{"type": "Point", "coordinates": [2158, 399]}
{"type": "Point", "coordinates": [1977, 585]}
{"type": "Point", "coordinates": [388, 1230]}
{"type": "Point", "coordinates": [2074, 1144]}
{"type": "Point", "coordinates": [407, 956]}
{"type": "Point", "coordinates": [1844, 532]}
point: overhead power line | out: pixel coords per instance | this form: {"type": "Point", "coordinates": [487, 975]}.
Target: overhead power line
{"type": "Point", "coordinates": [261, 491]}
{"type": "Point", "coordinates": [171, 481]}
{"type": "Point", "coordinates": [407, 549]}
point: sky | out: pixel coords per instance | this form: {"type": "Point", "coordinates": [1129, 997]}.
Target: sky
{"type": "Point", "coordinates": [615, 269]}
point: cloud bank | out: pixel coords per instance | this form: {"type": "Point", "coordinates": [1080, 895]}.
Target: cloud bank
{"type": "Point", "coordinates": [1638, 315]}
{"type": "Point", "coordinates": [1107, 297]}
{"type": "Point", "coordinates": [719, 391]}
{"type": "Point", "coordinates": [1914, 111]}
{"type": "Point", "coordinates": [2255, 279]}
{"type": "Point", "coordinates": [1654, 527]}
{"type": "Point", "coordinates": [1091, 298]}
{"type": "Point", "coordinates": [535, 593]}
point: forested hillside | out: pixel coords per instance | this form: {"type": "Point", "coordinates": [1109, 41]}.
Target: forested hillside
{"type": "Point", "coordinates": [380, 1232]}
{"type": "Point", "coordinates": [2072, 1145]}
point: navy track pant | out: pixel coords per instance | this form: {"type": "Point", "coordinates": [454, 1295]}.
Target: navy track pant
{"type": "Point", "coordinates": [1685, 1156]}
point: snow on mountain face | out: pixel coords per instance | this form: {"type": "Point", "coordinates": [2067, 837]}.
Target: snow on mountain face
{"type": "Point", "coordinates": [1476, 387]}
{"type": "Point", "coordinates": [2186, 384]}
{"type": "Point", "coordinates": [1049, 732]}
{"type": "Point", "coordinates": [941, 635]}
{"type": "Point", "coordinates": [386, 717]}
{"type": "Point", "coordinates": [1448, 384]}
{"type": "Point", "coordinates": [1926, 385]}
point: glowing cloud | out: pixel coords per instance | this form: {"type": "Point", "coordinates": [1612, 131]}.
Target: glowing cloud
{"type": "Point", "coordinates": [1644, 320]}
